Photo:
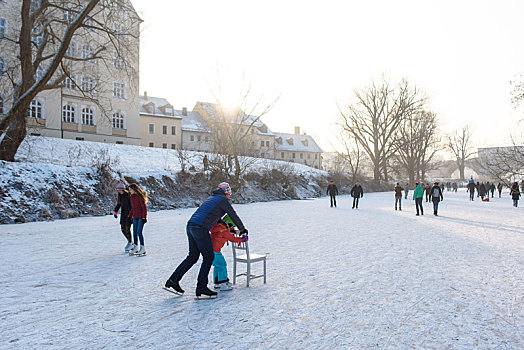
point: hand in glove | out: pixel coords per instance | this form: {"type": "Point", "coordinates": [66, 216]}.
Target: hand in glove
{"type": "Point", "coordinates": [115, 214]}
{"type": "Point", "coordinates": [144, 220]}
{"type": "Point", "coordinates": [242, 232]}
{"type": "Point", "coordinates": [244, 238]}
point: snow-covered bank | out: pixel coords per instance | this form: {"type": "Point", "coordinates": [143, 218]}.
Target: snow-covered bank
{"type": "Point", "coordinates": [337, 278]}
{"type": "Point", "coordinates": [56, 178]}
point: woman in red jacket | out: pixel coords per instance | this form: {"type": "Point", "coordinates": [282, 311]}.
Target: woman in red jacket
{"type": "Point", "coordinates": [138, 215]}
{"type": "Point", "coordinates": [219, 236]}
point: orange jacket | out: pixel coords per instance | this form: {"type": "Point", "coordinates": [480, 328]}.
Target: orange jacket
{"type": "Point", "coordinates": [220, 235]}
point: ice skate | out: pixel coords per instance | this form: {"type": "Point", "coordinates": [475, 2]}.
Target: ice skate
{"type": "Point", "coordinates": [128, 247]}
{"type": "Point", "coordinates": [133, 249]}
{"type": "Point", "coordinates": [205, 293]}
{"type": "Point", "coordinates": [224, 286]}
{"type": "Point", "coordinates": [173, 287]}
{"type": "Point", "coordinates": [140, 252]}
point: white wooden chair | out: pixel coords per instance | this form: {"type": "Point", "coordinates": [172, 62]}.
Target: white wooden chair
{"type": "Point", "coordinates": [242, 255]}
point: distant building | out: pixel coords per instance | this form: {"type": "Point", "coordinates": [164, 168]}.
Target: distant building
{"type": "Point", "coordinates": [196, 133]}
{"type": "Point", "coordinates": [159, 125]}
{"type": "Point", "coordinates": [298, 148]}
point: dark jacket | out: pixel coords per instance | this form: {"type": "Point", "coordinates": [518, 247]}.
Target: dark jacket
{"type": "Point", "coordinates": [332, 190]}
{"type": "Point", "coordinates": [499, 187]}
{"type": "Point", "coordinates": [213, 209]}
{"type": "Point", "coordinates": [138, 207]}
{"type": "Point", "coordinates": [124, 204]}
{"type": "Point", "coordinates": [357, 191]}
{"type": "Point", "coordinates": [515, 193]}
{"type": "Point", "coordinates": [436, 193]}
{"type": "Point", "coordinates": [398, 191]}
{"type": "Point", "coordinates": [471, 187]}
{"type": "Point", "coordinates": [482, 190]}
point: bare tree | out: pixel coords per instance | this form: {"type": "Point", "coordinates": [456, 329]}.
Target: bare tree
{"type": "Point", "coordinates": [373, 120]}
{"type": "Point", "coordinates": [417, 144]}
{"type": "Point", "coordinates": [352, 157]}
{"type": "Point", "coordinates": [47, 55]}
{"type": "Point", "coordinates": [460, 146]}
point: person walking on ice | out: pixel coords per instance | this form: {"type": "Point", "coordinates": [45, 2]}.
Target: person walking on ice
{"type": "Point", "coordinates": [138, 215]}
{"type": "Point", "coordinates": [515, 194]}
{"type": "Point", "coordinates": [436, 197]}
{"type": "Point", "coordinates": [356, 192]}
{"type": "Point", "coordinates": [200, 243]}
{"type": "Point", "coordinates": [418, 196]}
{"type": "Point", "coordinates": [406, 190]}
{"type": "Point", "coordinates": [220, 234]}
{"type": "Point", "coordinates": [124, 205]}
{"type": "Point", "coordinates": [398, 196]}
{"type": "Point", "coordinates": [332, 190]}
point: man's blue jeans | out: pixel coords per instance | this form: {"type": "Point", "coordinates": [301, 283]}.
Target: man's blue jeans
{"type": "Point", "coordinates": [435, 206]}
{"type": "Point", "coordinates": [199, 243]}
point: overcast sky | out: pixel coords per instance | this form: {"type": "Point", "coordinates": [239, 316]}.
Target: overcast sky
{"type": "Point", "coordinates": [313, 54]}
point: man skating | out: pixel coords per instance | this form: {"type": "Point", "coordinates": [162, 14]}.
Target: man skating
{"type": "Point", "coordinates": [356, 192]}
{"type": "Point", "coordinates": [436, 197]}
{"type": "Point", "coordinates": [398, 196]}
{"type": "Point", "coordinates": [332, 190]}
{"type": "Point", "coordinates": [418, 195]}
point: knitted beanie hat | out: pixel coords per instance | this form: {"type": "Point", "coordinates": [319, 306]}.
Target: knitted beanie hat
{"type": "Point", "coordinates": [225, 186]}
{"type": "Point", "coordinates": [121, 186]}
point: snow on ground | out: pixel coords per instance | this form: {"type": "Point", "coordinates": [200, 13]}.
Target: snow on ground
{"type": "Point", "coordinates": [337, 278]}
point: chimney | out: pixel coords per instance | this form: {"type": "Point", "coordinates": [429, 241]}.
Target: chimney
{"type": "Point", "coordinates": [297, 130]}
{"type": "Point", "coordinates": [145, 95]}
{"type": "Point", "coordinates": [184, 111]}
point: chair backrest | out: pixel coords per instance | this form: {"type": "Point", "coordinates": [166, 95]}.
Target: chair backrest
{"type": "Point", "coordinates": [244, 247]}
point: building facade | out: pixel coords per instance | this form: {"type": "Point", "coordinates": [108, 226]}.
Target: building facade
{"type": "Point", "coordinates": [98, 100]}
{"type": "Point", "coordinates": [298, 148]}
{"type": "Point", "coordinates": [160, 126]}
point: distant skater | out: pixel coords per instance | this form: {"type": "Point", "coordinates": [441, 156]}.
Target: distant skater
{"type": "Point", "coordinates": [427, 190]}
{"type": "Point", "coordinates": [356, 192]}
{"type": "Point", "coordinates": [199, 238]}
{"type": "Point", "coordinates": [436, 197]}
{"type": "Point", "coordinates": [418, 196]}
{"type": "Point", "coordinates": [398, 196]}
{"type": "Point", "coordinates": [332, 190]}
{"type": "Point", "coordinates": [515, 194]}
{"type": "Point", "coordinates": [492, 189]}
{"type": "Point", "coordinates": [499, 188]}
{"type": "Point", "coordinates": [471, 190]}
{"type": "Point", "coordinates": [406, 190]}
{"type": "Point", "coordinates": [124, 205]}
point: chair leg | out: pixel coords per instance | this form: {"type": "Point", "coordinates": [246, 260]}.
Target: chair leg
{"type": "Point", "coordinates": [264, 271]}
{"type": "Point", "coordinates": [234, 271]}
{"type": "Point", "coordinates": [248, 274]}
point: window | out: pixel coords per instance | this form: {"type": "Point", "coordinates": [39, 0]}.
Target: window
{"type": "Point", "coordinates": [151, 144]}
{"type": "Point", "coordinates": [2, 66]}
{"type": "Point", "coordinates": [281, 154]}
{"type": "Point", "coordinates": [261, 143]}
{"type": "Point", "coordinates": [206, 139]}
{"type": "Point", "coordinates": [3, 27]}
{"type": "Point", "coordinates": [35, 110]}
{"type": "Point", "coordinates": [301, 156]}
{"type": "Point", "coordinates": [164, 145]}
{"type": "Point", "coordinates": [151, 128]}
{"type": "Point", "coordinates": [199, 138]}
{"type": "Point", "coordinates": [169, 111]}
{"type": "Point", "coordinates": [293, 155]}
{"type": "Point", "coordinates": [88, 116]}
{"type": "Point", "coordinates": [164, 129]}
{"type": "Point", "coordinates": [68, 113]}
{"type": "Point", "coordinates": [118, 61]}
{"type": "Point", "coordinates": [173, 130]}
{"type": "Point", "coordinates": [87, 52]}
{"type": "Point", "coordinates": [173, 146]}
{"type": "Point", "coordinates": [192, 138]}
{"type": "Point", "coordinates": [267, 143]}
{"type": "Point", "coordinates": [118, 90]}
{"type": "Point", "coordinates": [88, 84]}
{"type": "Point", "coordinates": [120, 142]}
{"type": "Point", "coordinates": [69, 82]}
{"type": "Point", "coordinates": [72, 49]}
{"type": "Point", "coordinates": [308, 156]}
{"type": "Point", "coordinates": [118, 120]}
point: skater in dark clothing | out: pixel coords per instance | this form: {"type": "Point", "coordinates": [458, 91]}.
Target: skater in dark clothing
{"type": "Point", "coordinates": [398, 196]}
{"type": "Point", "coordinates": [454, 186]}
{"type": "Point", "coordinates": [477, 186]}
{"type": "Point", "coordinates": [427, 189]}
{"type": "Point", "coordinates": [124, 205]}
{"type": "Point", "coordinates": [499, 188]}
{"type": "Point", "coordinates": [138, 216]}
{"type": "Point", "coordinates": [482, 190]}
{"type": "Point", "coordinates": [492, 189]}
{"type": "Point", "coordinates": [515, 193]}
{"type": "Point", "coordinates": [436, 197]}
{"type": "Point", "coordinates": [332, 190]}
{"type": "Point", "coordinates": [406, 190]}
{"type": "Point", "coordinates": [205, 162]}
{"type": "Point", "coordinates": [418, 195]}
{"type": "Point", "coordinates": [471, 189]}
{"type": "Point", "coordinates": [356, 192]}
{"type": "Point", "coordinates": [198, 226]}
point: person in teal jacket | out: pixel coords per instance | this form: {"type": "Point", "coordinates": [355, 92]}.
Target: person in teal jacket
{"type": "Point", "coordinates": [418, 195]}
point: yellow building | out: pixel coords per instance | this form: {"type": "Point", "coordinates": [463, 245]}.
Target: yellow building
{"type": "Point", "coordinates": [160, 125]}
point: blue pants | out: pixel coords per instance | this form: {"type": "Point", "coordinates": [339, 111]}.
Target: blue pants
{"type": "Point", "coordinates": [435, 206]}
{"type": "Point", "coordinates": [138, 226]}
{"type": "Point", "coordinates": [515, 202]}
{"type": "Point", "coordinates": [199, 243]}
{"type": "Point", "coordinates": [399, 201]}
{"type": "Point", "coordinates": [219, 268]}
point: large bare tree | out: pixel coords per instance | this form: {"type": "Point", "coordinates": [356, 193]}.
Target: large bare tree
{"type": "Point", "coordinates": [374, 118]}
{"type": "Point", "coordinates": [46, 54]}
{"type": "Point", "coordinates": [459, 144]}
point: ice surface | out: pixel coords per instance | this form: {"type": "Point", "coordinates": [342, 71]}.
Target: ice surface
{"type": "Point", "coordinates": [337, 278]}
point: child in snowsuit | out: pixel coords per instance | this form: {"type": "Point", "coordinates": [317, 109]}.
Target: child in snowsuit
{"type": "Point", "coordinates": [138, 215]}
{"type": "Point", "coordinates": [220, 234]}
{"type": "Point", "coordinates": [124, 205]}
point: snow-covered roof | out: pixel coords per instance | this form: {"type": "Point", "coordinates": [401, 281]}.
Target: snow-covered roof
{"type": "Point", "coordinates": [193, 121]}
{"type": "Point", "coordinates": [295, 142]}
{"type": "Point", "coordinates": [156, 107]}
